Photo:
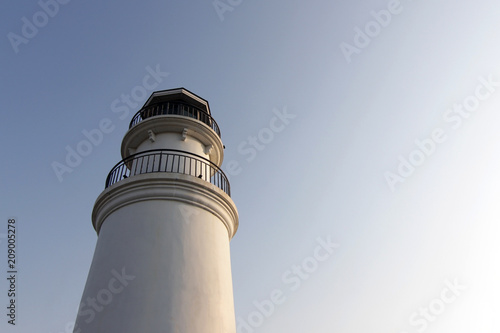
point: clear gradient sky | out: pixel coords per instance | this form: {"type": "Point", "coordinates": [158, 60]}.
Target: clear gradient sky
{"type": "Point", "coordinates": [388, 148]}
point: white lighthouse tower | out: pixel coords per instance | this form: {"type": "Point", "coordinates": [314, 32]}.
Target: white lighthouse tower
{"type": "Point", "coordinates": [164, 223]}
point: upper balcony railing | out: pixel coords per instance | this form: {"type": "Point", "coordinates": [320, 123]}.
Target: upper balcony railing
{"type": "Point", "coordinates": [169, 160]}
{"type": "Point", "coordinates": [175, 108]}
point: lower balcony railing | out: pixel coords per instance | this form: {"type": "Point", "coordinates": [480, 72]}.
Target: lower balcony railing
{"type": "Point", "coordinates": [169, 160]}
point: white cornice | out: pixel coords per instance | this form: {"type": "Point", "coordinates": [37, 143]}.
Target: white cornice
{"type": "Point", "coordinates": [166, 186]}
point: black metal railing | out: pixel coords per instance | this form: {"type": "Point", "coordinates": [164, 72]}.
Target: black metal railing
{"type": "Point", "coordinates": [169, 160]}
{"type": "Point", "coordinates": [175, 108]}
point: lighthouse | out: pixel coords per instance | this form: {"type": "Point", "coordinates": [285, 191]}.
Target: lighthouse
{"type": "Point", "coordinates": [164, 222]}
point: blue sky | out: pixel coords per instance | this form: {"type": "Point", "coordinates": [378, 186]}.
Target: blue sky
{"type": "Point", "coordinates": [415, 100]}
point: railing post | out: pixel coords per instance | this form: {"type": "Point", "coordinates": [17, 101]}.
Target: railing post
{"type": "Point", "coordinates": [159, 163]}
